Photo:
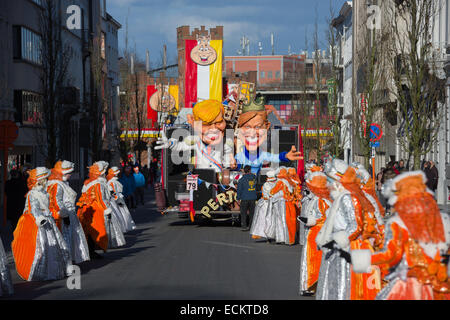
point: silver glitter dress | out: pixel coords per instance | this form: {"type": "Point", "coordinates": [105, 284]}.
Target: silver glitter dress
{"type": "Point", "coordinates": [73, 233]}
{"type": "Point", "coordinates": [276, 227]}
{"type": "Point", "coordinates": [115, 235]}
{"type": "Point", "coordinates": [334, 276]}
{"type": "Point", "coordinates": [6, 286]}
{"type": "Point", "coordinates": [312, 213]}
{"type": "Point", "coordinates": [116, 188]}
{"type": "Point", "coordinates": [260, 218]}
{"type": "Point", "coordinates": [302, 229]}
{"type": "Point", "coordinates": [51, 256]}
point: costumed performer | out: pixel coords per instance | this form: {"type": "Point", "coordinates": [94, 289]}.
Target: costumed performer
{"type": "Point", "coordinates": [39, 249]}
{"type": "Point", "coordinates": [62, 206]}
{"type": "Point", "coordinates": [414, 258]}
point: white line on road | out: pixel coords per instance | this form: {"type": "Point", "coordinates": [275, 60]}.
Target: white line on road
{"type": "Point", "coordinates": [228, 244]}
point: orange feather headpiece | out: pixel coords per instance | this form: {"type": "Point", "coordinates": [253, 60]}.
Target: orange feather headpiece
{"type": "Point", "coordinates": [417, 207]}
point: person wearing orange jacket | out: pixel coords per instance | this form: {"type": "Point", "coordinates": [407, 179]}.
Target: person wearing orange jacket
{"type": "Point", "coordinates": [284, 184]}
{"type": "Point", "coordinates": [39, 250]}
{"type": "Point", "coordinates": [62, 206]}
{"type": "Point", "coordinates": [314, 218]}
{"type": "Point", "coordinates": [414, 258]}
{"type": "Point", "coordinates": [100, 226]}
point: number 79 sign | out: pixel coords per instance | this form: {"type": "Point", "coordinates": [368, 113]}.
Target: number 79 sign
{"type": "Point", "coordinates": [192, 182]}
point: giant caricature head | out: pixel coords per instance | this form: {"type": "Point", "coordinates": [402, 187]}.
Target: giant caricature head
{"type": "Point", "coordinates": [162, 100]}
{"type": "Point", "coordinates": [253, 125]}
{"type": "Point", "coordinates": [203, 54]}
{"type": "Point", "coordinates": [210, 114]}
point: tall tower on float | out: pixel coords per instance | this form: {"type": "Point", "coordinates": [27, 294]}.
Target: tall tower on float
{"type": "Point", "coordinates": [199, 81]}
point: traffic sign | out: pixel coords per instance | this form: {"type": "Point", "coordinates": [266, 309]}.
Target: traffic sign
{"type": "Point", "coordinates": [375, 132]}
{"type": "Point", "coordinates": [375, 144]}
{"type": "Point", "coordinates": [192, 182]}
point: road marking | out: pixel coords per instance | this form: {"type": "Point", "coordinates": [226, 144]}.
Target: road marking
{"type": "Point", "coordinates": [229, 244]}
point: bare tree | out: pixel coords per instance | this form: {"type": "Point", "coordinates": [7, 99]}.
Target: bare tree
{"type": "Point", "coordinates": [55, 57]}
{"type": "Point", "coordinates": [337, 142]}
{"type": "Point", "coordinates": [417, 86]}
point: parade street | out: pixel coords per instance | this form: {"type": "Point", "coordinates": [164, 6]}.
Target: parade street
{"type": "Point", "coordinates": [169, 258]}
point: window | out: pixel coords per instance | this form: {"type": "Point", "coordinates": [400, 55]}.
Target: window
{"type": "Point", "coordinates": [309, 70]}
{"type": "Point", "coordinates": [29, 107]}
{"type": "Point", "coordinates": [26, 45]}
{"type": "Point", "coordinates": [261, 74]}
{"type": "Point", "coordinates": [277, 74]}
{"type": "Point", "coordinates": [269, 74]}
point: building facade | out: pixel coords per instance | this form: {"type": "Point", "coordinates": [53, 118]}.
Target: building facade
{"type": "Point", "coordinates": [343, 26]}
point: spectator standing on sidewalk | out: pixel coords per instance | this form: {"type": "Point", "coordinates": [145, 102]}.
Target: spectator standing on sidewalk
{"type": "Point", "coordinates": [139, 180]}
{"type": "Point", "coordinates": [129, 186]}
{"type": "Point", "coordinates": [432, 176]}
{"type": "Point", "coordinates": [401, 166]}
{"type": "Point", "coordinates": [146, 172]}
{"type": "Point", "coordinates": [15, 190]}
{"type": "Point", "coordinates": [246, 194]}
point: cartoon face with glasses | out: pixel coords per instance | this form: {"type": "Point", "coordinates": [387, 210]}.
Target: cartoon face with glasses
{"type": "Point", "coordinates": [209, 125]}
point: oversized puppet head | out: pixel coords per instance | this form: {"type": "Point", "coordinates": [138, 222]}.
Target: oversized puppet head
{"type": "Point", "coordinates": [37, 177]}
{"type": "Point", "coordinates": [203, 53]}
{"type": "Point", "coordinates": [162, 100]}
{"type": "Point", "coordinates": [253, 125]}
{"type": "Point", "coordinates": [208, 121]}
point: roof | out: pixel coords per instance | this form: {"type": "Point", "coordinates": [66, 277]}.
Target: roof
{"type": "Point", "coordinates": [114, 21]}
{"type": "Point", "coordinates": [343, 13]}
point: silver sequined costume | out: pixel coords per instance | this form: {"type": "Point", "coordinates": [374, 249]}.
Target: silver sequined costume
{"type": "Point", "coordinates": [6, 286]}
{"type": "Point", "coordinates": [73, 233]}
{"type": "Point", "coordinates": [51, 258]}
{"type": "Point", "coordinates": [276, 227]}
{"type": "Point", "coordinates": [313, 214]}
{"type": "Point", "coordinates": [334, 276]}
{"type": "Point", "coordinates": [260, 218]}
{"type": "Point", "coordinates": [115, 235]}
{"type": "Point", "coordinates": [116, 188]}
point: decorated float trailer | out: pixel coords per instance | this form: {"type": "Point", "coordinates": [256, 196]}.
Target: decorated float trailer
{"type": "Point", "coordinates": [215, 197]}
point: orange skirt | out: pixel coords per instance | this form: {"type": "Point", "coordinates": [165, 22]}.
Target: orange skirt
{"type": "Point", "coordinates": [24, 244]}
{"type": "Point", "coordinates": [93, 222]}
{"type": "Point", "coordinates": [364, 286]}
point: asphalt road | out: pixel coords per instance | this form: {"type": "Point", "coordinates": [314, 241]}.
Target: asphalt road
{"type": "Point", "coordinates": [169, 258]}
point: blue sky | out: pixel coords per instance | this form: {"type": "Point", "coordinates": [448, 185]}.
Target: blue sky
{"type": "Point", "coordinates": [153, 23]}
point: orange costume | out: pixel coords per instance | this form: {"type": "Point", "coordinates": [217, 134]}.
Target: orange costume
{"type": "Point", "coordinates": [284, 184]}
{"type": "Point", "coordinates": [39, 250]}
{"type": "Point", "coordinates": [367, 236]}
{"type": "Point", "coordinates": [315, 215]}
{"type": "Point", "coordinates": [93, 207]}
{"type": "Point", "coordinates": [417, 239]}
{"type": "Point", "coordinates": [350, 225]}
{"type": "Point", "coordinates": [62, 206]}
{"type": "Point", "coordinates": [297, 185]}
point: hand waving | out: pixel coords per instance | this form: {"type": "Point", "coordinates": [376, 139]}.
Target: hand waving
{"type": "Point", "coordinates": [294, 154]}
